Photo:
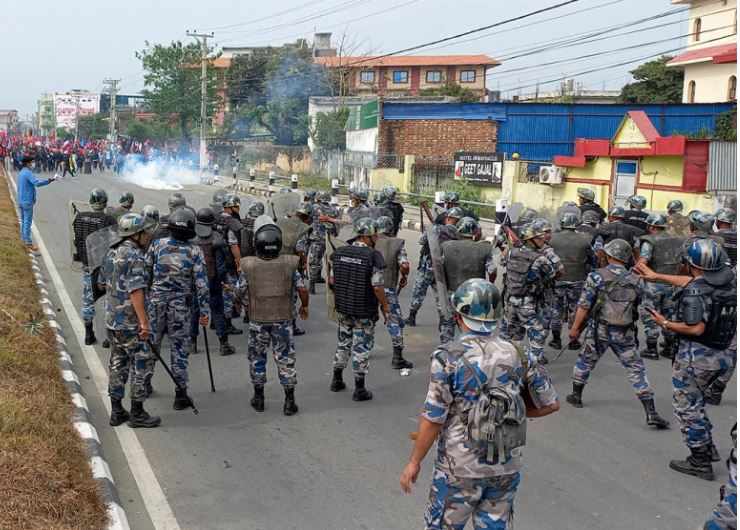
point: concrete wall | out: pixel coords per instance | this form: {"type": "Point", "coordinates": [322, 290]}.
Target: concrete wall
{"type": "Point", "coordinates": [712, 81]}
{"type": "Point", "coordinates": [436, 137]}
{"type": "Point", "coordinates": [380, 177]}
{"type": "Point", "coordinates": [364, 141]}
{"type": "Point", "coordinates": [714, 15]}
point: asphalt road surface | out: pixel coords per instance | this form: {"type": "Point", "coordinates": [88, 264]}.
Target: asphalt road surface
{"type": "Point", "coordinates": [335, 465]}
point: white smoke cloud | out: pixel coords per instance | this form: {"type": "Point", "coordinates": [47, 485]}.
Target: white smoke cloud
{"type": "Point", "coordinates": [159, 174]}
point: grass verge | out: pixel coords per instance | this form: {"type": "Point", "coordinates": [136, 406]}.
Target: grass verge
{"type": "Point", "coordinates": [45, 476]}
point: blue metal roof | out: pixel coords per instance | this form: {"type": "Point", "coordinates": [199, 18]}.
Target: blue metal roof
{"type": "Point", "coordinates": [444, 111]}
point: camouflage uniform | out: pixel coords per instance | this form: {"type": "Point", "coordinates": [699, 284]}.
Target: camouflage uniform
{"type": "Point", "coordinates": [281, 335]}
{"type": "Point", "coordinates": [658, 296]}
{"type": "Point", "coordinates": [88, 300]}
{"type": "Point", "coordinates": [123, 272]}
{"type": "Point", "coordinates": [317, 242]}
{"type": "Point", "coordinates": [394, 321]}
{"type": "Point", "coordinates": [178, 272]}
{"type": "Point", "coordinates": [424, 277]}
{"type": "Point", "coordinates": [230, 281]}
{"type": "Point", "coordinates": [724, 515]}
{"type": "Point", "coordinates": [463, 484]}
{"type": "Point", "coordinates": [600, 336]}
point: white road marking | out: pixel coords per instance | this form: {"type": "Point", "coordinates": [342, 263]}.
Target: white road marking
{"type": "Point", "coordinates": [156, 503]}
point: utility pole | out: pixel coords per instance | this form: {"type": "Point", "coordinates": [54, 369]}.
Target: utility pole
{"type": "Point", "coordinates": [203, 91]}
{"type": "Point", "coordinates": [113, 88]}
{"type": "Point", "coordinates": [77, 117]}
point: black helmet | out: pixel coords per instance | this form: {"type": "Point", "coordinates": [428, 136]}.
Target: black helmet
{"type": "Point", "coordinates": [98, 199]}
{"type": "Point", "coordinates": [205, 219]}
{"type": "Point", "coordinates": [127, 199]}
{"type": "Point", "coordinates": [268, 240]}
{"type": "Point", "coordinates": [181, 224]}
{"type": "Point", "coordinates": [176, 200]}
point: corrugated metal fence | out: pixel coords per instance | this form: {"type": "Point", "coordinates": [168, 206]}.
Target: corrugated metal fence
{"type": "Point", "coordinates": [722, 166]}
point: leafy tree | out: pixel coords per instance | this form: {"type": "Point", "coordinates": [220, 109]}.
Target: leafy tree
{"type": "Point", "coordinates": [654, 83]}
{"type": "Point", "coordinates": [327, 129]}
{"type": "Point", "coordinates": [450, 88]}
{"type": "Point", "coordinates": [149, 130]}
{"type": "Point", "coordinates": [725, 126]}
{"type": "Point", "coordinates": [92, 127]}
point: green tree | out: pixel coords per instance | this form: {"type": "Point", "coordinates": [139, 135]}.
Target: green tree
{"type": "Point", "coordinates": [725, 126]}
{"type": "Point", "coordinates": [450, 88]}
{"type": "Point", "coordinates": [94, 126]}
{"type": "Point", "coordinates": [654, 83]}
{"type": "Point", "coordinates": [149, 130]}
{"type": "Point", "coordinates": [327, 129]}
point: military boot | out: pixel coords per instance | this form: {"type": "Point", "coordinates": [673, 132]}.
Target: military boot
{"type": "Point", "coordinates": [118, 414]}
{"type": "Point", "coordinates": [651, 415]}
{"type": "Point", "coordinates": [411, 319]}
{"type": "Point", "coordinates": [575, 398]}
{"type": "Point", "coordinates": [651, 350]}
{"type": "Point", "coordinates": [337, 383]}
{"type": "Point", "coordinates": [556, 342]}
{"type": "Point", "coordinates": [713, 393]}
{"type": "Point", "coordinates": [290, 408]}
{"type": "Point", "coordinates": [311, 288]}
{"type": "Point", "coordinates": [699, 463]}
{"type": "Point", "coordinates": [258, 399]}
{"type": "Point", "coordinates": [182, 400]}
{"type": "Point", "coordinates": [231, 330]}
{"type": "Point", "coordinates": [148, 388]}
{"type": "Point", "coordinates": [713, 453]}
{"type": "Point", "coordinates": [89, 334]}
{"type": "Point", "coordinates": [140, 417]}
{"type": "Point", "coordinates": [297, 332]}
{"type": "Point", "coordinates": [361, 393]}
{"type": "Point", "coordinates": [669, 349]}
{"type": "Point", "coordinates": [224, 347]}
{"type": "Point", "coordinates": [574, 345]}
{"type": "Point", "coordinates": [106, 344]}
{"type": "Point", "coordinates": [194, 345]}
{"type": "Point", "coordinates": [246, 318]}
{"type": "Point", "coordinates": [398, 361]}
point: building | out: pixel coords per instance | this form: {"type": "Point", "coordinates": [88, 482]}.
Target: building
{"type": "Point", "coordinates": [9, 121]}
{"type": "Point", "coordinates": [70, 105]}
{"type": "Point", "coordinates": [570, 91]}
{"type": "Point", "coordinates": [46, 118]}
{"type": "Point", "coordinates": [710, 60]}
{"type": "Point", "coordinates": [409, 75]}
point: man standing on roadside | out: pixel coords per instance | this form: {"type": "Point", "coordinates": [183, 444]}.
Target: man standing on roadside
{"type": "Point", "coordinates": [27, 184]}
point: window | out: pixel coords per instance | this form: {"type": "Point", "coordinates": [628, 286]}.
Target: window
{"type": "Point", "coordinates": [467, 76]}
{"type": "Point", "coordinates": [434, 76]}
{"type": "Point", "coordinates": [367, 77]}
{"type": "Point", "coordinates": [400, 77]}
{"type": "Point", "coordinates": [732, 88]}
{"type": "Point", "coordinates": [697, 28]}
{"type": "Point", "coordinates": [692, 91]}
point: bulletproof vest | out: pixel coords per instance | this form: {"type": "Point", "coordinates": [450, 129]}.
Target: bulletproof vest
{"type": "Point", "coordinates": [389, 247]}
{"type": "Point", "coordinates": [571, 248]}
{"type": "Point", "coordinates": [247, 247]}
{"type": "Point", "coordinates": [221, 226]}
{"type": "Point", "coordinates": [678, 224]}
{"type": "Point", "coordinates": [446, 233]}
{"type": "Point", "coordinates": [587, 229]}
{"type": "Point", "coordinates": [397, 211]}
{"type": "Point", "coordinates": [636, 218]}
{"type": "Point", "coordinates": [85, 224]}
{"type": "Point", "coordinates": [666, 252]}
{"type": "Point", "coordinates": [593, 207]}
{"type": "Point", "coordinates": [206, 245]}
{"type": "Point", "coordinates": [619, 301]}
{"type": "Point", "coordinates": [270, 285]}
{"type": "Point", "coordinates": [730, 237]}
{"type": "Point", "coordinates": [521, 259]}
{"type": "Point", "coordinates": [463, 260]}
{"type": "Point", "coordinates": [618, 230]}
{"type": "Point", "coordinates": [352, 267]}
{"type": "Point", "coordinates": [292, 230]}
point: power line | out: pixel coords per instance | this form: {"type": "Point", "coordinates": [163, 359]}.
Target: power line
{"type": "Point", "coordinates": [279, 13]}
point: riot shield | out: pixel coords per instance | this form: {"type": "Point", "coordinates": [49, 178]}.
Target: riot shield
{"type": "Point", "coordinates": [98, 245]}
{"type": "Point", "coordinates": [262, 221]}
{"type": "Point", "coordinates": [374, 212]}
{"type": "Point", "coordinates": [435, 250]}
{"type": "Point", "coordinates": [331, 244]}
{"type": "Point", "coordinates": [75, 207]}
{"type": "Point", "coordinates": [514, 211]}
{"type": "Point", "coordinates": [562, 211]}
{"type": "Point", "coordinates": [283, 204]}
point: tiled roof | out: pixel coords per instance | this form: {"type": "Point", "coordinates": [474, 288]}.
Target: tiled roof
{"type": "Point", "coordinates": [710, 53]}
{"type": "Point", "coordinates": [410, 60]}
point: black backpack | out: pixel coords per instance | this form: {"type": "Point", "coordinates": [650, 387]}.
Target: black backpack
{"type": "Point", "coordinates": [722, 324]}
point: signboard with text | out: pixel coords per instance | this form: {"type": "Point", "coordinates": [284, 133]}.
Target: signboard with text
{"type": "Point", "coordinates": [481, 169]}
{"type": "Point", "coordinates": [68, 106]}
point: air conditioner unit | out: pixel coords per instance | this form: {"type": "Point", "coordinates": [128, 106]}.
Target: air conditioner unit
{"type": "Point", "coordinates": [551, 175]}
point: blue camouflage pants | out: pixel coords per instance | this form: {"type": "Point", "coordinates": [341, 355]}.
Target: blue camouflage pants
{"type": "Point", "coordinates": [424, 280]}
{"type": "Point", "coordinates": [524, 315]}
{"type": "Point", "coordinates": [656, 296]}
{"type": "Point", "coordinates": [622, 342]}
{"type": "Point", "coordinates": [731, 359]}
{"type": "Point", "coordinates": [489, 501]}
{"type": "Point", "coordinates": [128, 354]}
{"type": "Point", "coordinates": [88, 301]}
{"type": "Point", "coordinates": [394, 321]}
{"type": "Point", "coordinates": [447, 328]}
{"type": "Point", "coordinates": [280, 334]}
{"type": "Point", "coordinates": [229, 303]}
{"type": "Point", "coordinates": [724, 515]}
{"type": "Point", "coordinates": [316, 258]}
{"type": "Point", "coordinates": [355, 338]}
{"type": "Point", "coordinates": [217, 310]}
{"type": "Point", "coordinates": [173, 317]}
{"type": "Point", "coordinates": [689, 406]}
{"type": "Point", "coordinates": [564, 304]}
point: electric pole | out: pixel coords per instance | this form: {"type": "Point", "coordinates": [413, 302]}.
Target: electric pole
{"type": "Point", "coordinates": [203, 91]}
{"type": "Point", "coordinates": [113, 87]}
{"type": "Point", "coordinates": [77, 117]}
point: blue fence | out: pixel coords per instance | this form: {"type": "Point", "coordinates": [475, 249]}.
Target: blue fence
{"type": "Point", "coordinates": [540, 131]}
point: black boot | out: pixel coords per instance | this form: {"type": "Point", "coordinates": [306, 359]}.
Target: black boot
{"type": "Point", "coordinates": [312, 288]}
{"type": "Point", "coordinates": [290, 408]}
{"type": "Point", "coordinates": [194, 346]}
{"type": "Point", "coordinates": [106, 344]}
{"type": "Point", "coordinates": [651, 415]}
{"type": "Point", "coordinates": [398, 361]}
{"type": "Point", "coordinates": [231, 330]}
{"type": "Point", "coordinates": [713, 393]}
{"type": "Point", "coordinates": [182, 400]}
{"type": "Point", "coordinates": [411, 319]}
{"type": "Point", "coordinates": [575, 398]}
{"type": "Point", "coordinates": [361, 393]}
{"type": "Point", "coordinates": [258, 399]}
{"type": "Point", "coordinates": [556, 342]}
{"type": "Point", "coordinates": [698, 464]}
{"type": "Point", "coordinates": [670, 349]}
{"type": "Point", "coordinates": [140, 417]}
{"type": "Point", "coordinates": [118, 414]}
{"type": "Point", "coordinates": [297, 332]}
{"type": "Point", "coordinates": [89, 334]}
{"type": "Point", "coordinates": [713, 453]}
{"type": "Point", "coordinates": [225, 348]}
{"type": "Point", "coordinates": [337, 383]}
{"type": "Point", "coordinates": [149, 388]}
{"type": "Point", "coordinates": [651, 351]}
{"type": "Point", "coordinates": [246, 318]}
{"type": "Point", "coordinates": [574, 345]}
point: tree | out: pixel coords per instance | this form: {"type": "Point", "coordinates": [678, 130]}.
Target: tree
{"type": "Point", "coordinates": [93, 127]}
{"type": "Point", "coordinates": [151, 130]}
{"type": "Point", "coordinates": [450, 88]}
{"type": "Point", "coordinates": [327, 129]}
{"type": "Point", "coordinates": [654, 83]}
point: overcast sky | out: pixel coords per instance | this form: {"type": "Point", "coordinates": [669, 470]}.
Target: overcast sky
{"type": "Point", "coordinates": [53, 45]}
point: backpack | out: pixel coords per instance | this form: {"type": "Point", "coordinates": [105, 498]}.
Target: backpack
{"type": "Point", "coordinates": [497, 421]}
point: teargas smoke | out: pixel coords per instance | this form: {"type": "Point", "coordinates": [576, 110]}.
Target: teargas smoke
{"type": "Point", "coordinates": [159, 174]}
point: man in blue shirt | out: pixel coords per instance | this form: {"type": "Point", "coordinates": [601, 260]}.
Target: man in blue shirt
{"type": "Point", "coordinates": [27, 184]}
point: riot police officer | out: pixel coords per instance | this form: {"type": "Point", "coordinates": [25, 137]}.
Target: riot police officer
{"type": "Point", "coordinates": [84, 224]}
{"type": "Point", "coordinates": [296, 236]}
{"type": "Point", "coordinates": [256, 209]}
{"type": "Point", "coordinates": [608, 304]}
{"type": "Point", "coordinates": [578, 259]}
{"type": "Point", "coordinates": [125, 203]}
{"type": "Point", "coordinates": [357, 281]}
{"type": "Point", "coordinates": [635, 216]}
{"type": "Point", "coordinates": [358, 199]}
{"type": "Point", "coordinates": [395, 277]}
{"type": "Point", "coordinates": [586, 203]}
{"type": "Point", "coordinates": [678, 224]}
{"type": "Point", "coordinates": [616, 228]}
{"type": "Point", "coordinates": [660, 251]}
{"type": "Point", "coordinates": [452, 200]}
{"type": "Point", "coordinates": [270, 280]}
{"type": "Point", "coordinates": [149, 212]}
{"type": "Point", "coordinates": [217, 202]}
{"type": "Point", "coordinates": [724, 218]}
{"type": "Point", "coordinates": [229, 226]}
{"type": "Point", "coordinates": [589, 222]}
{"type": "Point", "coordinates": [389, 201]}
{"type": "Point", "coordinates": [174, 202]}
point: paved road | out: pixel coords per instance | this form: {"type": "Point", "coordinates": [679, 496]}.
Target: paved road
{"type": "Point", "coordinates": [336, 464]}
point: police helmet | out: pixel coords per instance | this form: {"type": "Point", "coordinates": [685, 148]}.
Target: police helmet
{"type": "Point", "coordinates": [204, 221]}
{"type": "Point", "coordinates": [231, 200]}
{"type": "Point", "coordinates": [151, 212]}
{"type": "Point", "coordinates": [637, 201]}
{"type": "Point", "coordinates": [619, 249]}
{"type": "Point", "coordinates": [305, 209]}
{"type": "Point", "coordinates": [617, 212]}
{"type": "Point", "coordinates": [537, 228]}
{"type": "Point", "coordinates": [130, 224]}
{"type": "Point", "coordinates": [127, 199]}
{"type": "Point", "coordinates": [467, 227]}
{"type": "Point", "coordinates": [569, 203]}
{"type": "Point", "coordinates": [359, 193]}
{"type": "Point", "coordinates": [701, 220]}
{"type": "Point", "coordinates": [528, 215]}
{"type": "Point", "coordinates": [674, 206]}
{"type": "Point", "coordinates": [256, 209]}
{"type": "Point", "coordinates": [268, 240]}
{"type": "Point", "coordinates": [590, 217]}
{"type": "Point", "coordinates": [478, 302]}
{"type": "Point", "coordinates": [365, 226]}
{"type": "Point", "coordinates": [452, 197]}
{"type": "Point", "coordinates": [309, 193]}
{"type": "Point", "coordinates": [455, 212]}
{"type": "Point", "coordinates": [98, 199]}
{"type": "Point", "coordinates": [176, 200]}
{"type": "Point", "coordinates": [390, 193]}
{"type": "Point", "coordinates": [181, 224]}
{"type": "Point", "coordinates": [569, 221]}
{"type": "Point", "coordinates": [385, 224]}
{"type": "Point", "coordinates": [378, 197]}
{"type": "Point", "coordinates": [707, 256]}
{"type": "Point", "coordinates": [586, 193]}
{"type": "Point", "coordinates": [725, 215]}
{"type": "Point", "coordinates": [323, 196]}
{"type": "Point", "coordinates": [656, 219]}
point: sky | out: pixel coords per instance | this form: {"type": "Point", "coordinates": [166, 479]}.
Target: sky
{"type": "Point", "coordinates": [54, 46]}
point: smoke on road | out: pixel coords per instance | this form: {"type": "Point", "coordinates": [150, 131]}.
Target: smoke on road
{"type": "Point", "coordinates": [158, 174]}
